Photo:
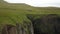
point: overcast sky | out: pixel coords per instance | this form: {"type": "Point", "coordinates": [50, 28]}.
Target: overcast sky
{"type": "Point", "coordinates": [39, 3]}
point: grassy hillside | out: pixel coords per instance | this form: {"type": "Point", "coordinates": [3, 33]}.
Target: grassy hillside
{"type": "Point", "coordinates": [12, 13]}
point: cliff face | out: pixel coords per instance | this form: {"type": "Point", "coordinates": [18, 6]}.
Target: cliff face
{"type": "Point", "coordinates": [24, 28]}
{"type": "Point", "coordinates": [47, 24]}
{"type": "Point", "coordinates": [40, 24]}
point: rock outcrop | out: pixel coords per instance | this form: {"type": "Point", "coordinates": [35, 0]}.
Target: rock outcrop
{"type": "Point", "coordinates": [46, 24]}
{"type": "Point", "coordinates": [24, 28]}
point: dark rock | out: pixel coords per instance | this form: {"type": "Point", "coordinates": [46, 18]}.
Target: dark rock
{"type": "Point", "coordinates": [48, 24]}
{"type": "Point", "coordinates": [9, 29]}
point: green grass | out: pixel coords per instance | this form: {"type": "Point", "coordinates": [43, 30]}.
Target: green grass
{"type": "Point", "coordinates": [12, 13]}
